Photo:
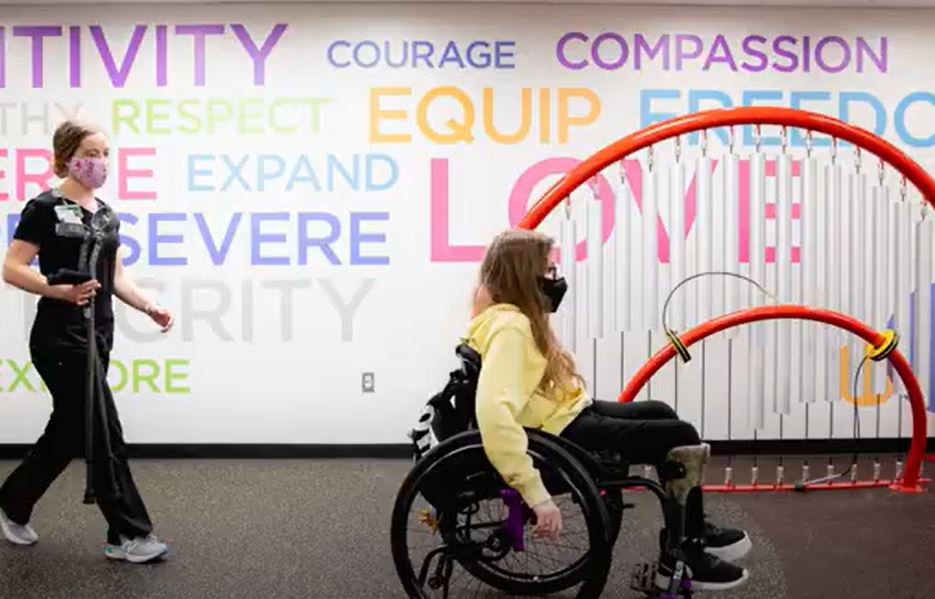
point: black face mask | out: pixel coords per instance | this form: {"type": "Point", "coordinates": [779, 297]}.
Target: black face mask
{"type": "Point", "coordinates": [554, 290]}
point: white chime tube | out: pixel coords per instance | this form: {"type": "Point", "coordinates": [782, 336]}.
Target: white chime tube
{"type": "Point", "coordinates": [863, 206]}
{"type": "Point", "coordinates": [757, 379]}
{"type": "Point", "coordinates": [891, 304]}
{"type": "Point", "coordinates": [677, 252]}
{"type": "Point", "coordinates": [845, 199]}
{"type": "Point", "coordinates": [707, 305]}
{"type": "Point", "coordinates": [624, 273]}
{"type": "Point", "coordinates": [863, 284]}
{"type": "Point", "coordinates": [834, 253]}
{"type": "Point", "coordinates": [609, 271]}
{"type": "Point", "coordinates": [864, 271]}
{"type": "Point", "coordinates": [904, 272]}
{"type": "Point", "coordinates": [880, 283]}
{"type": "Point", "coordinates": [859, 243]}
{"type": "Point", "coordinates": [650, 249]}
{"type": "Point", "coordinates": [595, 262]}
{"type": "Point", "coordinates": [783, 269]}
{"type": "Point", "coordinates": [850, 237]}
{"type": "Point", "coordinates": [922, 352]}
{"type": "Point", "coordinates": [810, 221]}
{"type": "Point", "coordinates": [757, 227]}
{"type": "Point", "coordinates": [731, 170]}
{"type": "Point", "coordinates": [809, 257]}
{"type": "Point", "coordinates": [568, 242]}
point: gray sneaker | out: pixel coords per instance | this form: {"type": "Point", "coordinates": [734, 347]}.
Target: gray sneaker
{"type": "Point", "coordinates": [21, 534]}
{"type": "Point", "coordinates": [138, 551]}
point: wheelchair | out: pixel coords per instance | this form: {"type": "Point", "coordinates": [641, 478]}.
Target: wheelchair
{"type": "Point", "coordinates": [459, 530]}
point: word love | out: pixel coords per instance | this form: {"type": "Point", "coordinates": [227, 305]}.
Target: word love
{"type": "Point", "coordinates": [121, 64]}
{"type": "Point", "coordinates": [521, 197]}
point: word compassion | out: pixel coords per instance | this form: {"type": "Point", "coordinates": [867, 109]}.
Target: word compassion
{"type": "Point", "coordinates": [610, 51]}
{"type": "Point", "coordinates": [119, 63]}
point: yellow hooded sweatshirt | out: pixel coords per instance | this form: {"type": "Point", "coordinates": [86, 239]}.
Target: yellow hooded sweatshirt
{"type": "Point", "coordinates": [509, 400]}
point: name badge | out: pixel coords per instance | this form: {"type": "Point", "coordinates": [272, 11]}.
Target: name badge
{"type": "Point", "coordinates": [78, 231]}
{"type": "Point", "coordinates": [68, 214]}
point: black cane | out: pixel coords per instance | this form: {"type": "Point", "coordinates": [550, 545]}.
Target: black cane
{"type": "Point", "coordinates": [73, 277]}
{"type": "Point", "coordinates": [90, 377]}
{"type": "Point", "coordinates": [105, 426]}
{"type": "Point", "coordinates": [95, 384]}
{"type": "Point", "coordinates": [86, 271]}
{"type": "Point", "coordinates": [91, 238]}
{"type": "Point", "coordinates": [89, 497]}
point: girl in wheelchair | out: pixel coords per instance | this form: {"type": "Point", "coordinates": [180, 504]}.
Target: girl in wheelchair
{"type": "Point", "coordinates": [528, 381]}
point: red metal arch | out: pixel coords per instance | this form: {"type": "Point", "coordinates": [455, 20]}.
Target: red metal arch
{"type": "Point", "coordinates": [710, 119]}
{"type": "Point", "coordinates": [761, 115]}
{"type": "Point", "coordinates": [910, 480]}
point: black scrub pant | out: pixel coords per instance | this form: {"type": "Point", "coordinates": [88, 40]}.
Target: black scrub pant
{"type": "Point", "coordinates": [63, 440]}
{"type": "Point", "coordinates": [642, 432]}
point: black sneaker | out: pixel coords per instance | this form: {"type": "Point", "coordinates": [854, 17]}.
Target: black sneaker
{"type": "Point", "coordinates": [727, 544]}
{"type": "Point", "coordinates": [706, 572]}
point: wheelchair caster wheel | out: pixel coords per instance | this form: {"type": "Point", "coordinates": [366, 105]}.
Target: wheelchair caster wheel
{"type": "Point", "coordinates": [643, 578]}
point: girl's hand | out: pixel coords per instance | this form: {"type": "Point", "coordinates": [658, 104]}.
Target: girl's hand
{"type": "Point", "coordinates": [548, 520]}
{"type": "Point", "coordinates": [161, 316]}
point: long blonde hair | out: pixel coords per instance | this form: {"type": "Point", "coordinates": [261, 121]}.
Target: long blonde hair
{"type": "Point", "coordinates": [509, 274]}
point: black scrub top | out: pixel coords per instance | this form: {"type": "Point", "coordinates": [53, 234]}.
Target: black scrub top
{"type": "Point", "coordinates": [61, 325]}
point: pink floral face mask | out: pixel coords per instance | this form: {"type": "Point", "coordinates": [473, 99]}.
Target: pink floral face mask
{"type": "Point", "coordinates": [91, 172]}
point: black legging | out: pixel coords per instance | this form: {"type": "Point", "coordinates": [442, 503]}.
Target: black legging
{"type": "Point", "coordinates": [642, 431]}
{"type": "Point", "coordinates": [63, 440]}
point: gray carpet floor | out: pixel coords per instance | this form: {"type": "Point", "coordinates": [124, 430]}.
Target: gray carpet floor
{"type": "Point", "coordinates": [320, 529]}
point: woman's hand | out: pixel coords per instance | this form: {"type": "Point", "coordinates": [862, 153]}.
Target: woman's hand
{"type": "Point", "coordinates": [127, 291]}
{"type": "Point", "coordinates": [548, 520]}
{"type": "Point", "coordinates": [161, 316]}
{"type": "Point", "coordinates": [79, 295]}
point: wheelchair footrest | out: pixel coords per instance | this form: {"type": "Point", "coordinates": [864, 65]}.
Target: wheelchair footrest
{"type": "Point", "coordinates": [643, 580]}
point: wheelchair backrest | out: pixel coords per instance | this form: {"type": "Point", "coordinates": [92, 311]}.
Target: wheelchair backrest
{"type": "Point", "coordinates": [451, 410]}
{"type": "Point", "coordinates": [454, 406]}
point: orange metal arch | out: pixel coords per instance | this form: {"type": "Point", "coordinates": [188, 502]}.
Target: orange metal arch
{"type": "Point", "coordinates": [709, 119]}
{"type": "Point", "coordinates": [910, 480]}
{"type": "Point", "coordinates": [761, 115]}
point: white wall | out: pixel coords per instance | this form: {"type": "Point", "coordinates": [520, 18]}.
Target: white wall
{"type": "Point", "coordinates": [286, 367]}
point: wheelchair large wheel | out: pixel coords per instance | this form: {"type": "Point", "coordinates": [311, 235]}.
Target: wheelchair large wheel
{"type": "Point", "coordinates": [457, 530]}
{"type": "Point", "coordinates": [613, 496]}
{"type": "Point", "coordinates": [613, 502]}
